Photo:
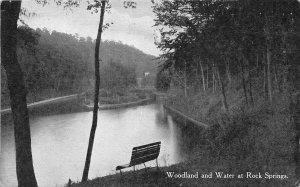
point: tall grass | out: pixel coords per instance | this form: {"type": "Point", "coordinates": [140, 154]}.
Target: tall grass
{"type": "Point", "coordinates": [248, 138]}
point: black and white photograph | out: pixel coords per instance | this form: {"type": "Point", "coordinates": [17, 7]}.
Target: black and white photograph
{"type": "Point", "coordinates": [156, 93]}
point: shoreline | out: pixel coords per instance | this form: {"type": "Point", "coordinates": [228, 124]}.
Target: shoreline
{"type": "Point", "coordinates": [56, 100]}
{"type": "Point", "coordinates": [175, 113]}
{"type": "Point", "coordinates": [69, 103]}
{"type": "Point", "coordinates": [121, 105]}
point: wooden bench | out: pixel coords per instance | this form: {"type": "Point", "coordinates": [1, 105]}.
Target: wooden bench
{"type": "Point", "coordinates": [142, 154]}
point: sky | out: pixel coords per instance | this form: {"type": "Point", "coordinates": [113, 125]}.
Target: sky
{"type": "Point", "coordinates": [130, 26]}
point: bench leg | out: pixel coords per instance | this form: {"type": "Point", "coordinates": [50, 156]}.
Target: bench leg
{"type": "Point", "coordinates": [157, 165]}
{"type": "Point", "coordinates": [120, 181]}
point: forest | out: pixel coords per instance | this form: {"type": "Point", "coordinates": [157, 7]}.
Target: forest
{"type": "Point", "coordinates": [210, 42]}
{"type": "Point", "coordinates": [235, 66]}
{"type": "Point", "coordinates": [56, 64]}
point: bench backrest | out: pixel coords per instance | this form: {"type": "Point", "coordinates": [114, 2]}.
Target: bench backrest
{"type": "Point", "coordinates": [144, 153]}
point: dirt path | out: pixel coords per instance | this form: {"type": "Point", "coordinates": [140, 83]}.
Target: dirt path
{"type": "Point", "coordinates": [44, 102]}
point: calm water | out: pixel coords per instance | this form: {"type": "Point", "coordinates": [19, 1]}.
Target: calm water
{"type": "Point", "coordinates": [59, 143]}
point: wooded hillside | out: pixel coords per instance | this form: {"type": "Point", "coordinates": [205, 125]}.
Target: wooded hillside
{"type": "Point", "coordinates": [56, 64]}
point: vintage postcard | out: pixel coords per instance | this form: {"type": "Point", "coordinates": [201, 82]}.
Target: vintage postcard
{"type": "Point", "coordinates": [150, 93]}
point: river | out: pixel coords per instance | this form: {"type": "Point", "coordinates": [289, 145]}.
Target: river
{"type": "Point", "coordinates": [59, 143]}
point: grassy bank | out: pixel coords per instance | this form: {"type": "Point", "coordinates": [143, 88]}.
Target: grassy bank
{"type": "Point", "coordinates": [256, 138]}
{"type": "Point", "coordinates": [199, 164]}
{"type": "Point", "coordinates": [248, 138]}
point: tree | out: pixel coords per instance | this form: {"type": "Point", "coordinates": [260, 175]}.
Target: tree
{"type": "Point", "coordinates": [97, 81]}
{"type": "Point", "coordinates": [10, 11]}
{"type": "Point", "coordinates": [96, 95]}
{"type": "Point", "coordinates": [9, 16]}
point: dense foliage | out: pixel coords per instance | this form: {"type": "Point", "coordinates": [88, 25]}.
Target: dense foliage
{"type": "Point", "coordinates": [56, 63]}
{"type": "Point", "coordinates": [235, 65]}
{"type": "Point", "coordinates": [210, 40]}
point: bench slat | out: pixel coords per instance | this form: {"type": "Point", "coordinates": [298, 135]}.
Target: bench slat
{"type": "Point", "coordinates": [146, 148]}
{"type": "Point", "coordinates": [147, 145]}
{"type": "Point", "coordinates": [144, 153]}
{"type": "Point", "coordinates": [143, 159]}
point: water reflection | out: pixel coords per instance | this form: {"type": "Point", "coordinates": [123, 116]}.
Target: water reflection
{"type": "Point", "coordinates": [161, 117]}
{"type": "Point", "coordinates": [59, 143]}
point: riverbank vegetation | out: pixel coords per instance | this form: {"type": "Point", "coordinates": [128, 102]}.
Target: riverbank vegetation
{"type": "Point", "coordinates": [57, 64]}
{"type": "Point", "coordinates": [233, 65]}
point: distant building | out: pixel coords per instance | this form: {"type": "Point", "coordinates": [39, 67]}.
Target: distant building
{"type": "Point", "coordinates": [146, 74]}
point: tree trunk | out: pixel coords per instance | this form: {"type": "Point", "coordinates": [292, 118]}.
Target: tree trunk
{"type": "Point", "coordinates": [294, 107]}
{"type": "Point", "coordinates": [207, 76]}
{"type": "Point", "coordinates": [250, 87]}
{"type": "Point", "coordinates": [58, 84]}
{"type": "Point", "coordinates": [257, 66]}
{"type": "Point", "coordinates": [224, 100]}
{"type": "Point", "coordinates": [269, 56]}
{"type": "Point", "coordinates": [17, 91]}
{"type": "Point", "coordinates": [265, 83]}
{"type": "Point", "coordinates": [276, 77]}
{"type": "Point", "coordinates": [294, 96]}
{"type": "Point", "coordinates": [228, 72]}
{"type": "Point", "coordinates": [203, 79]}
{"type": "Point", "coordinates": [185, 80]}
{"type": "Point", "coordinates": [216, 80]}
{"type": "Point", "coordinates": [265, 77]}
{"type": "Point", "coordinates": [269, 72]}
{"type": "Point", "coordinates": [213, 79]}
{"type": "Point", "coordinates": [197, 76]}
{"type": "Point", "coordinates": [96, 97]}
{"type": "Point", "coordinates": [284, 45]}
{"type": "Point", "coordinates": [244, 81]}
